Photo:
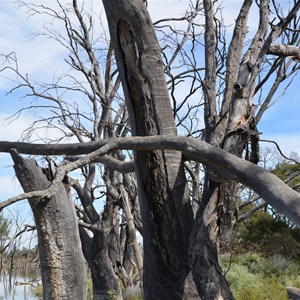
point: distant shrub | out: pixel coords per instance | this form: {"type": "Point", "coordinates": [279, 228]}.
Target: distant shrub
{"type": "Point", "coordinates": [37, 291]}
{"type": "Point", "coordinates": [277, 266]}
{"type": "Point", "coordinates": [249, 258]}
{"type": "Point", "coordinates": [294, 281]}
{"type": "Point", "coordinates": [266, 235]}
{"type": "Point", "coordinates": [90, 289]}
{"type": "Point", "coordinates": [254, 277]}
{"type": "Point", "coordinates": [239, 278]}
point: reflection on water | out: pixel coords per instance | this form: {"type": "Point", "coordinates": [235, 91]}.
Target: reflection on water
{"type": "Point", "coordinates": [22, 291]}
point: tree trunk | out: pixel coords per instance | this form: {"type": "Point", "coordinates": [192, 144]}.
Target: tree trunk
{"type": "Point", "coordinates": [204, 259]}
{"type": "Point", "coordinates": [231, 131]}
{"type": "Point", "coordinates": [166, 212]}
{"type": "Point", "coordinates": [96, 248]}
{"type": "Point", "coordinates": [132, 240]}
{"type": "Point", "coordinates": [63, 269]}
{"type": "Point", "coordinates": [96, 251]}
{"type": "Point", "coordinates": [105, 281]}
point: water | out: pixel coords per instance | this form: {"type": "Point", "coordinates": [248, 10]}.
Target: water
{"type": "Point", "coordinates": [11, 291]}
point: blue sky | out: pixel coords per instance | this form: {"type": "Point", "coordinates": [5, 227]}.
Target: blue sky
{"type": "Point", "coordinates": [41, 60]}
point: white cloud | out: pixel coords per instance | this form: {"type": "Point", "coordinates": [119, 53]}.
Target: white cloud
{"type": "Point", "coordinates": [15, 129]}
{"type": "Point", "coordinates": [12, 130]}
{"type": "Point", "coordinates": [288, 143]}
{"type": "Point", "coordinates": [9, 187]}
{"type": "Point", "coordinates": [38, 57]}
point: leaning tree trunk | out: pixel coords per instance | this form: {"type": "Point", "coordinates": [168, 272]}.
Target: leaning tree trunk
{"type": "Point", "coordinates": [63, 269]}
{"type": "Point", "coordinates": [166, 212]}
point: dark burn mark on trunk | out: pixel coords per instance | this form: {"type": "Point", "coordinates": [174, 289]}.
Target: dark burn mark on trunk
{"type": "Point", "coordinates": [151, 163]}
{"type": "Point", "coordinates": [138, 85]}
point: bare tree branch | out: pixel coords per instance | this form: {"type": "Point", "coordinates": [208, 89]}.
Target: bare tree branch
{"type": "Point", "coordinates": [267, 185]}
{"type": "Point", "coordinates": [279, 150]}
{"type": "Point", "coordinates": [285, 50]}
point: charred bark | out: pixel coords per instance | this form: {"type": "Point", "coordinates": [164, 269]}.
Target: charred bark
{"type": "Point", "coordinates": [234, 128]}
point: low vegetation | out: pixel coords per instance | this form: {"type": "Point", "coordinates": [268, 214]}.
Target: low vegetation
{"type": "Point", "coordinates": [254, 277]}
{"type": "Point", "coordinates": [265, 259]}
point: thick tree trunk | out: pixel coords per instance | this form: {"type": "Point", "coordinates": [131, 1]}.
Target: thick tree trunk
{"type": "Point", "coordinates": [230, 131]}
{"type": "Point", "coordinates": [96, 250]}
{"type": "Point", "coordinates": [204, 259]}
{"type": "Point", "coordinates": [105, 282]}
{"type": "Point", "coordinates": [164, 201]}
{"type": "Point", "coordinates": [63, 269]}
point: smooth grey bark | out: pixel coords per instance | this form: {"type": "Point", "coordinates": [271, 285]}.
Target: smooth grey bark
{"type": "Point", "coordinates": [225, 165]}
{"type": "Point", "coordinates": [166, 212]}
{"type": "Point", "coordinates": [63, 269]}
{"type": "Point", "coordinates": [285, 50]}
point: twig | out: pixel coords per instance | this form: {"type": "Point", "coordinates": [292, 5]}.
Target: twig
{"type": "Point", "coordinates": [279, 150]}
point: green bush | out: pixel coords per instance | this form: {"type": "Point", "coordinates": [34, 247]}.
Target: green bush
{"type": "Point", "coordinates": [249, 258]}
{"type": "Point", "coordinates": [266, 289]}
{"type": "Point", "coordinates": [275, 266]}
{"type": "Point", "coordinates": [239, 278]}
{"type": "Point", "coordinates": [90, 289]}
{"type": "Point", "coordinates": [264, 234]}
{"type": "Point", "coordinates": [254, 277]}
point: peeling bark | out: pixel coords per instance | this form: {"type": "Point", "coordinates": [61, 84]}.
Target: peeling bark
{"type": "Point", "coordinates": [214, 220]}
